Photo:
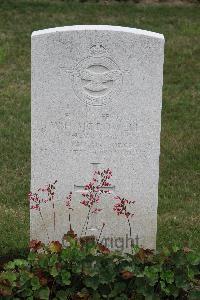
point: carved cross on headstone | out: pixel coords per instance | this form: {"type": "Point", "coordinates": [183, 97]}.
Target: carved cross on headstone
{"type": "Point", "coordinates": [93, 226]}
{"type": "Point", "coordinates": [81, 188]}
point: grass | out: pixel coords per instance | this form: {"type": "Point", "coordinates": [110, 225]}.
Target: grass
{"type": "Point", "coordinates": [179, 209]}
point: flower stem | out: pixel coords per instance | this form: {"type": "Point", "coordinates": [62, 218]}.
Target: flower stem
{"type": "Point", "coordinates": [87, 220]}
{"type": "Point", "coordinates": [70, 226]}
{"type": "Point", "coordinates": [129, 224]}
{"type": "Point", "coordinates": [100, 232]}
{"type": "Point", "coordinates": [54, 218]}
{"type": "Point", "coordinates": [44, 225]}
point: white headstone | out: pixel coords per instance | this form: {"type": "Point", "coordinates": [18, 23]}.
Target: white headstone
{"type": "Point", "coordinates": [96, 104]}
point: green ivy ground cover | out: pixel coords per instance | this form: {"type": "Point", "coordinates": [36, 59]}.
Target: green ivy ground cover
{"type": "Point", "coordinates": [88, 271]}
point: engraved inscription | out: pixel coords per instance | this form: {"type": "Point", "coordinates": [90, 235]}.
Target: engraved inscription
{"type": "Point", "coordinates": [107, 132]}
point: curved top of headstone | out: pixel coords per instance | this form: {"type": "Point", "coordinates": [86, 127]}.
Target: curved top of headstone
{"type": "Point", "coordinates": [98, 27]}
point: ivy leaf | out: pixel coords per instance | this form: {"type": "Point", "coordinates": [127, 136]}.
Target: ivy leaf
{"type": "Point", "coordinates": [43, 261]}
{"type": "Point", "coordinates": [21, 263]}
{"type": "Point", "coordinates": [77, 269]}
{"type": "Point", "coordinates": [55, 247]}
{"type": "Point", "coordinates": [92, 282]}
{"type": "Point", "coordinates": [24, 277]}
{"type": "Point", "coordinates": [27, 292]}
{"type": "Point", "coordinates": [53, 260]}
{"type": "Point", "coordinates": [65, 275]}
{"type": "Point", "coordinates": [10, 276]}
{"type": "Point", "coordinates": [118, 288]}
{"type": "Point", "coordinates": [65, 254]}
{"type": "Point", "coordinates": [83, 294]}
{"type": "Point", "coordinates": [17, 263]}
{"type": "Point", "coordinates": [36, 245]}
{"type": "Point", "coordinates": [167, 276]}
{"type": "Point", "coordinates": [54, 271]}
{"type": "Point", "coordinates": [194, 295]}
{"type": "Point", "coordinates": [193, 258]}
{"type": "Point", "coordinates": [32, 256]}
{"type": "Point", "coordinates": [151, 273]}
{"type": "Point", "coordinates": [144, 289]}
{"type": "Point", "coordinates": [60, 295]}
{"type": "Point", "coordinates": [182, 282]}
{"type": "Point", "coordinates": [175, 248]}
{"type": "Point", "coordinates": [96, 296]}
{"type": "Point", "coordinates": [44, 293]}
{"type": "Point", "coordinates": [144, 254]}
{"type": "Point", "coordinates": [164, 288]}
{"type": "Point", "coordinates": [122, 297]}
{"type": "Point", "coordinates": [35, 283]}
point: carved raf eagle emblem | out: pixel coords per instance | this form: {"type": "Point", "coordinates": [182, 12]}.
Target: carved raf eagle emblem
{"type": "Point", "coordinates": [96, 82]}
{"type": "Point", "coordinates": [97, 79]}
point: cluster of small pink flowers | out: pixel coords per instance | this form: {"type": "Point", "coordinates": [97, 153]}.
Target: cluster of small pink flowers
{"type": "Point", "coordinates": [91, 197]}
{"type": "Point", "coordinates": [43, 195]}
{"type": "Point", "coordinates": [105, 176]}
{"type": "Point", "coordinates": [96, 210]}
{"type": "Point", "coordinates": [69, 201]}
{"type": "Point", "coordinates": [93, 189]}
{"type": "Point", "coordinates": [121, 207]}
{"type": "Point", "coordinates": [34, 201]}
{"type": "Point", "coordinates": [50, 190]}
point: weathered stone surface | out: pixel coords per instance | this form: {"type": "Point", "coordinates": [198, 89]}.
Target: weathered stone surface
{"type": "Point", "coordinates": [96, 104]}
